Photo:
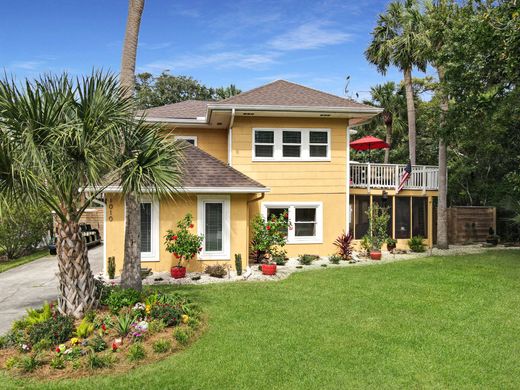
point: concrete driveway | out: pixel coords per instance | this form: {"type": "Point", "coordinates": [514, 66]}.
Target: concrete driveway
{"type": "Point", "coordinates": [31, 284]}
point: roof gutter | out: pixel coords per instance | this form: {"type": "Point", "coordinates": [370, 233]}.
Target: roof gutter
{"type": "Point", "coordinates": [199, 190]}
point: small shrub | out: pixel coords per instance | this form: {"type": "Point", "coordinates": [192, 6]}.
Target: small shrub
{"type": "Point", "coordinates": [43, 345]}
{"type": "Point", "coordinates": [216, 271]}
{"type": "Point", "coordinates": [37, 316]}
{"type": "Point", "coordinates": [181, 335]}
{"type": "Point", "coordinates": [416, 244]}
{"type": "Point", "coordinates": [12, 362]}
{"type": "Point", "coordinates": [72, 354]}
{"type": "Point", "coordinates": [96, 361]}
{"type": "Point", "coordinates": [120, 298]}
{"type": "Point", "coordinates": [156, 326]}
{"type": "Point", "coordinates": [90, 316]}
{"type": "Point", "coordinates": [162, 346]}
{"type": "Point", "coordinates": [366, 244]}
{"type": "Point", "coordinates": [85, 328]}
{"type": "Point", "coordinates": [307, 259]}
{"type": "Point", "coordinates": [98, 344]}
{"type": "Point", "coordinates": [29, 363]}
{"type": "Point", "coordinates": [76, 364]}
{"type": "Point", "coordinates": [123, 323]}
{"type": "Point", "coordinates": [19, 325]}
{"type": "Point", "coordinates": [344, 245]}
{"type": "Point", "coordinates": [335, 259]}
{"type": "Point", "coordinates": [168, 313]}
{"type": "Point", "coordinates": [193, 323]}
{"type": "Point", "coordinates": [57, 362]}
{"type": "Point", "coordinates": [111, 267]}
{"type": "Point", "coordinates": [57, 329]}
{"type": "Point", "coordinates": [136, 352]}
{"type": "Point", "coordinates": [4, 342]}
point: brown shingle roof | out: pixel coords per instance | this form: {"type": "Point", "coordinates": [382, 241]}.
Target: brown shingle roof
{"type": "Point", "coordinates": [285, 93]}
{"type": "Point", "coordinates": [189, 109]}
{"type": "Point", "coordinates": [203, 170]}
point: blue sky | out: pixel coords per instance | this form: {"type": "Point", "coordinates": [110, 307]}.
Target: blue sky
{"type": "Point", "coordinates": [248, 43]}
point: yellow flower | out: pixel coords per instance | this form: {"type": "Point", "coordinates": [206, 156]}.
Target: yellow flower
{"type": "Point", "coordinates": [148, 309]}
{"type": "Point", "coordinates": [74, 341]}
{"type": "Point", "coordinates": [185, 319]}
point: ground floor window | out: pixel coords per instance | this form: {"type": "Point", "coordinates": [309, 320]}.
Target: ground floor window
{"type": "Point", "coordinates": [213, 223]}
{"type": "Point", "coordinates": [402, 217]}
{"type": "Point", "coordinates": [419, 217]}
{"type": "Point", "coordinates": [386, 203]}
{"type": "Point", "coordinates": [149, 230]}
{"type": "Point", "coordinates": [361, 205]}
{"type": "Point", "coordinates": [306, 220]}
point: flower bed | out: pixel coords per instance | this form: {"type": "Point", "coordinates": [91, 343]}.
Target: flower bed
{"type": "Point", "coordinates": [130, 328]}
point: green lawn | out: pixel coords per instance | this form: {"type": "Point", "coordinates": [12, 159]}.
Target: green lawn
{"type": "Point", "coordinates": [4, 266]}
{"type": "Point", "coordinates": [431, 323]}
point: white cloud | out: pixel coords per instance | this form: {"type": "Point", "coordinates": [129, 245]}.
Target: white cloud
{"type": "Point", "coordinates": [311, 35]}
{"type": "Point", "coordinates": [26, 65]}
{"type": "Point", "coordinates": [219, 60]}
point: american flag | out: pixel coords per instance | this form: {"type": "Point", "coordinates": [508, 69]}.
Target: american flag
{"type": "Point", "coordinates": [405, 176]}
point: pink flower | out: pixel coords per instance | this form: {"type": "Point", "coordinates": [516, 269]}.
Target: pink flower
{"type": "Point", "coordinates": [58, 350]}
{"type": "Point", "coordinates": [104, 327]}
{"type": "Point", "coordinates": [114, 347]}
{"type": "Point", "coordinates": [268, 227]}
{"type": "Point", "coordinates": [174, 237]}
{"type": "Point", "coordinates": [191, 226]}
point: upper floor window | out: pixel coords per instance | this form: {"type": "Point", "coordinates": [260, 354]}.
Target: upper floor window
{"type": "Point", "coordinates": [291, 144]}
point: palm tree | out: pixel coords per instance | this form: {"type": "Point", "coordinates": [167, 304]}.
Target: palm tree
{"type": "Point", "coordinates": [391, 100]}
{"type": "Point", "coordinates": [131, 276]}
{"type": "Point", "coordinates": [58, 138]}
{"type": "Point", "coordinates": [398, 39]}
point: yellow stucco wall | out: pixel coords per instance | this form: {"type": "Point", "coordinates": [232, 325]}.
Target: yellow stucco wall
{"type": "Point", "coordinates": [170, 211]}
{"type": "Point", "coordinates": [213, 141]}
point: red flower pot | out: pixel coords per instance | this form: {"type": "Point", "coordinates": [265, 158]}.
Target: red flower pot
{"type": "Point", "coordinates": [269, 269]}
{"type": "Point", "coordinates": [178, 272]}
{"type": "Point", "coordinates": [375, 255]}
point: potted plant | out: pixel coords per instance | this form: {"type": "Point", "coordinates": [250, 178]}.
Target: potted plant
{"type": "Point", "coordinates": [268, 238]}
{"type": "Point", "coordinates": [183, 244]}
{"type": "Point", "coordinates": [391, 244]}
{"type": "Point", "coordinates": [378, 221]}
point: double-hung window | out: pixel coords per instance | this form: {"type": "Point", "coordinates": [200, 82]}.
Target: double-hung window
{"type": "Point", "coordinates": [291, 144]}
{"type": "Point", "coordinates": [306, 220]}
{"type": "Point", "coordinates": [149, 230]}
{"type": "Point", "coordinates": [213, 222]}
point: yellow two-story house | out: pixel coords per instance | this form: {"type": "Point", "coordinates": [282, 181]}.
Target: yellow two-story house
{"type": "Point", "coordinates": [278, 147]}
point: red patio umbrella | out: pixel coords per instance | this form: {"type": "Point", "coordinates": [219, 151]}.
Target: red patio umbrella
{"type": "Point", "coordinates": [369, 143]}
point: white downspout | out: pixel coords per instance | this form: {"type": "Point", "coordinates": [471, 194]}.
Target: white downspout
{"type": "Point", "coordinates": [347, 201]}
{"type": "Point", "coordinates": [230, 137]}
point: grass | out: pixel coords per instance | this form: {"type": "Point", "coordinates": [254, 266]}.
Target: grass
{"type": "Point", "coordinates": [449, 322]}
{"type": "Point", "coordinates": [4, 266]}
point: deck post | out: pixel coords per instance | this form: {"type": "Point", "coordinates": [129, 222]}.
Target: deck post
{"type": "Point", "coordinates": [424, 179]}
{"type": "Point", "coordinates": [369, 178]}
{"type": "Point", "coordinates": [396, 168]}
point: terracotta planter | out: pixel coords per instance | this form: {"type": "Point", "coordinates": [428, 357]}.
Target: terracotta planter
{"type": "Point", "coordinates": [269, 269]}
{"type": "Point", "coordinates": [375, 255]}
{"type": "Point", "coordinates": [178, 272]}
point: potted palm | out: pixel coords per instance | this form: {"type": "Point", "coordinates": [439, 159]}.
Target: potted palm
{"type": "Point", "coordinates": [269, 236]}
{"type": "Point", "coordinates": [378, 219]}
{"type": "Point", "coordinates": [183, 244]}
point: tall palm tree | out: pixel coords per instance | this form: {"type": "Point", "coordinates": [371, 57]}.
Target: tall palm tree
{"type": "Point", "coordinates": [391, 100]}
{"type": "Point", "coordinates": [398, 39]}
{"type": "Point", "coordinates": [58, 138]}
{"type": "Point", "coordinates": [439, 19]}
{"type": "Point", "coordinates": [131, 276]}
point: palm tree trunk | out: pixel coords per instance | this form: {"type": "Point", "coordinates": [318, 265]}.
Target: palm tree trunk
{"type": "Point", "coordinates": [442, 207]}
{"type": "Point", "coordinates": [388, 141]}
{"type": "Point", "coordinates": [133, 23]}
{"type": "Point", "coordinates": [131, 276]}
{"type": "Point", "coordinates": [410, 105]}
{"type": "Point", "coordinates": [77, 289]}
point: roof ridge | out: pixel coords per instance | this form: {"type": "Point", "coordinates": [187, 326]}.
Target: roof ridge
{"type": "Point", "coordinates": [323, 92]}
{"type": "Point", "coordinates": [241, 94]}
{"type": "Point", "coordinates": [224, 164]}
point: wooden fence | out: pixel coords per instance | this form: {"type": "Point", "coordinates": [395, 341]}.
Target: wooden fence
{"type": "Point", "coordinates": [470, 223]}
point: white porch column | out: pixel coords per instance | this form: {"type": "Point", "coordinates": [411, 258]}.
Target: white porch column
{"type": "Point", "coordinates": [347, 191]}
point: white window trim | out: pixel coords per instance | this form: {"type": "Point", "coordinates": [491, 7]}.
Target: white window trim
{"type": "Point", "coordinates": [225, 253]}
{"type": "Point", "coordinates": [153, 255]}
{"type": "Point", "coordinates": [187, 137]}
{"type": "Point", "coordinates": [278, 145]}
{"type": "Point", "coordinates": [291, 206]}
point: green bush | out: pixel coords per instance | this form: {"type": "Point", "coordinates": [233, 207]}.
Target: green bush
{"type": "Point", "coordinates": [193, 323]}
{"type": "Point", "coordinates": [307, 259]}
{"type": "Point", "coordinates": [156, 326]}
{"type": "Point", "coordinates": [4, 342]}
{"type": "Point", "coordinates": [85, 328]}
{"type": "Point", "coordinates": [29, 363]}
{"type": "Point", "coordinates": [168, 313]}
{"type": "Point", "coordinates": [366, 244]}
{"type": "Point", "coordinates": [378, 218]}
{"type": "Point", "coordinates": [43, 345]}
{"type": "Point", "coordinates": [12, 362]}
{"type": "Point", "coordinates": [120, 298]}
{"type": "Point", "coordinates": [98, 344]}
{"type": "Point", "coordinates": [37, 316]}
{"type": "Point", "coordinates": [162, 346]}
{"type": "Point", "coordinates": [57, 362]}
{"type": "Point", "coordinates": [181, 335]}
{"type": "Point", "coordinates": [58, 329]}
{"type": "Point", "coordinates": [335, 259]}
{"type": "Point", "coordinates": [96, 361]}
{"type": "Point", "coordinates": [73, 354]}
{"type": "Point", "coordinates": [416, 244]}
{"type": "Point", "coordinates": [124, 323]}
{"type": "Point", "coordinates": [136, 352]}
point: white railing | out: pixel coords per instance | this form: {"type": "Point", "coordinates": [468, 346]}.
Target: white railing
{"type": "Point", "coordinates": [369, 175]}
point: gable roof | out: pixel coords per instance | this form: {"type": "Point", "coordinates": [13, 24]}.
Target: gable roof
{"type": "Point", "coordinates": [188, 109]}
{"type": "Point", "coordinates": [285, 93]}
